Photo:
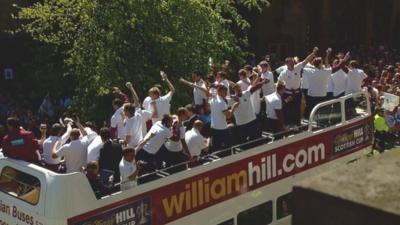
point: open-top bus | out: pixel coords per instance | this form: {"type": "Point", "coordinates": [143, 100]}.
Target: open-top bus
{"type": "Point", "coordinates": [246, 184]}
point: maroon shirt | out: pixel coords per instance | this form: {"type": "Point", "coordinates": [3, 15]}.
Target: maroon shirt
{"type": "Point", "coordinates": [21, 145]}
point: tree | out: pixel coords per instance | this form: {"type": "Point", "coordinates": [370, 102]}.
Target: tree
{"type": "Point", "coordinates": [105, 43]}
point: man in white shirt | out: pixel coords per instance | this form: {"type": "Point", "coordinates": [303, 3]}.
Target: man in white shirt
{"type": "Point", "coordinates": [317, 77]}
{"type": "Point", "coordinates": [221, 135]}
{"type": "Point", "coordinates": [304, 82]}
{"type": "Point", "coordinates": [117, 119]}
{"type": "Point", "coordinates": [146, 117]}
{"type": "Point", "coordinates": [55, 132]}
{"type": "Point", "coordinates": [133, 126]}
{"type": "Point", "coordinates": [338, 80]}
{"type": "Point", "coordinates": [244, 81]}
{"type": "Point", "coordinates": [274, 109]}
{"type": "Point", "coordinates": [93, 150]}
{"type": "Point", "coordinates": [268, 77]}
{"type": "Point", "coordinates": [199, 96]}
{"type": "Point", "coordinates": [291, 77]}
{"type": "Point", "coordinates": [159, 133]}
{"type": "Point", "coordinates": [160, 105]}
{"type": "Point", "coordinates": [128, 169]}
{"type": "Point", "coordinates": [255, 99]}
{"type": "Point", "coordinates": [140, 114]}
{"type": "Point", "coordinates": [197, 144]}
{"type": "Point", "coordinates": [220, 79]}
{"type": "Point", "coordinates": [246, 120]}
{"type": "Point", "coordinates": [355, 78]}
{"type": "Point", "coordinates": [176, 150]}
{"type": "Point", "coordinates": [75, 152]}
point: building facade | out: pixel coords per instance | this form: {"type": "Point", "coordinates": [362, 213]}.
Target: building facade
{"type": "Point", "coordinates": [290, 27]}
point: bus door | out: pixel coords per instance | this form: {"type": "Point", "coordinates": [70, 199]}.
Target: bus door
{"type": "Point", "coordinates": [22, 193]}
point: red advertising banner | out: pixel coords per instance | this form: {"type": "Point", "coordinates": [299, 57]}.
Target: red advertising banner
{"type": "Point", "coordinates": [190, 195]}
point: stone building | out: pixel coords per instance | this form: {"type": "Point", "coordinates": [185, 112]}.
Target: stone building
{"type": "Point", "coordinates": [294, 26]}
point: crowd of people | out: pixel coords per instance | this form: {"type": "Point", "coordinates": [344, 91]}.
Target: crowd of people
{"type": "Point", "coordinates": [147, 135]}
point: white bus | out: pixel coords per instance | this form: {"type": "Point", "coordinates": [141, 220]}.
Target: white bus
{"type": "Point", "coordinates": [243, 185]}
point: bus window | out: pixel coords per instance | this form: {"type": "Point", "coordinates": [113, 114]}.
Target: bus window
{"type": "Point", "coordinates": [228, 222]}
{"type": "Point", "coordinates": [328, 115]}
{"type": "Point", "coordinates": [284, 206]}
{"type": "Point", "coordinates": [258, 215]}
{"type": "Point", "coordinates": [20, 185]}
{"type": "Point", "coordinates": [356, 107]}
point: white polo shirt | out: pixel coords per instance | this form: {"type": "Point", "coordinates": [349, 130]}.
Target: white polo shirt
{"type": "Point", "coordinates": [126, 169]}
{"type": "Point", "coordinates": [91, 135]}
{"type": "Point", "coordinates": [244, 84]}
{"type": "Point", "coordinates": [93, 150]}
{"type": "Point", "coordinates": [199, 96]}
{"type": "Point", "coordinates": [117, 121]}
{"type": "Point", "coordinates": [273, 102]}
{"type": "Point", "coordinates": [161, 133]}
{"type": "Point", "coordinates": [292, 78]}
{"type": "Point", "coordinates": [339, 82]}
{"type": "Point", "coordinates": [133, 127]}
{"type": "Point", "coordinates": [163, 105]}
{"type": "Point", "coordinates": [195, 141]}
{"type": "Point", "coordinates": [48, 147]}
{"type": "Point", "coordinates": [355, 78]}
{"type": "Point", "coordinates": [317, 81]}
{"type": "Point", "coordinates": [244, 113]}
{"type": "Point", "coordinates": [146, 103]}
{"type": "Point", "coordinates": [176, 146]}
{"type": "Point", "coordinates": [256, 101]}
{"type": "Point", "coordinates": [304, 77]}
{"type": "Point", "coordinates": [269, 87]}
{"type": "Point", "coordinates": [218, 118]}
{"type": "Point", "coordinates": [75, 154]}
{"type": "Point", "coordinates": [225, 82]}
{"type": "Point", "coordinates": [47, 150]}
{"type": "Point", "coordinates": [280, 69]}
{"type": "Point", "coordinates": [146, 116]}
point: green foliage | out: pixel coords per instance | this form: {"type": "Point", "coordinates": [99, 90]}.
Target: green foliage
{"type": "Point", "coordinates": [107, 42]}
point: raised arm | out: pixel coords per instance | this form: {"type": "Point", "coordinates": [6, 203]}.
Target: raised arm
{"type": "Point", "coordinates": [310, 57]}
{"type": "Point", "coordinates": [169, 84]}
{"type": "Point", "coordinates": [81, 128]}
{"type": "Point", "coordinates": [327, 56]}
{"type": "Point", "coordinates": [120, 94]}
{"type": "Point", "coordinates": [135, 97]}
{"type": "Point", "coordinates": [193, 85]}
{"type": "Point", "coordinates": [342, 64]}
{"type": "Point", "coordinates": [65, 136]}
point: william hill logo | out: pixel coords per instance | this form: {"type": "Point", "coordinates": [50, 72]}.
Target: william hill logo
{"type": "Point", "coordinates": [260, 171]}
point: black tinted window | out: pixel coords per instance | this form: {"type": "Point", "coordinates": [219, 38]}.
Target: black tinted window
{"type": "Point", "coordinates": [284, 206]}
{"type": "Point", "coordinates": [258, 215]}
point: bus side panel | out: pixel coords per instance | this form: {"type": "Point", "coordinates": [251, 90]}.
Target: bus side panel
{"type": "Point", "coordinates": [182, 198]}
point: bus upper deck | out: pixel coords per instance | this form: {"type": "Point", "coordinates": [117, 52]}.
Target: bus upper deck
{"type": "Point", "coordinates": [337, 129]}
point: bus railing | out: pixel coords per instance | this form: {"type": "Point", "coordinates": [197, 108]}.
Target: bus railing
{"type": "Point", "coordinates": [266, 138]}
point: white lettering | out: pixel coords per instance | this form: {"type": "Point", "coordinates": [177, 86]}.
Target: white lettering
{"type": "Point", "coordinates": [251, 170]}
{"type": "Point", "coordinates": [301, 158]}
{"type": "Point", "coordinates": [288, 166]}
{"type": "Point", "coordinates": [314, 150]}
